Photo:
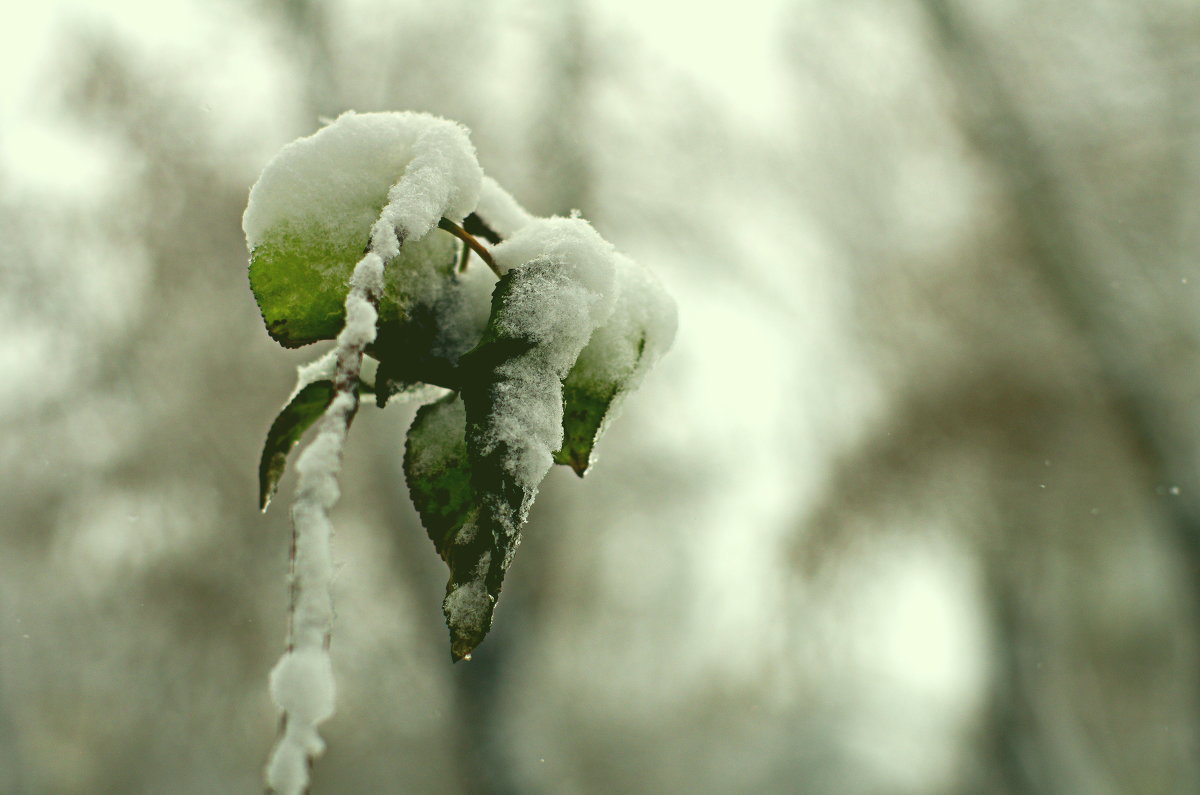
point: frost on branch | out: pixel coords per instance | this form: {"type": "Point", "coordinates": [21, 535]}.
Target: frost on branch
{"type": "Point", "coordinates": [319, 190]}
{"type": "Point", "coordinates": [364, 233]}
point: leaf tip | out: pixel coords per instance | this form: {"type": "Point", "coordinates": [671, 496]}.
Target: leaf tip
{"type": "Point", "coordinates": [468, 608]}
{"type": "Point", "coordinates": [580, 462]}
{"type": "Point", "coordinates": [462, 646]}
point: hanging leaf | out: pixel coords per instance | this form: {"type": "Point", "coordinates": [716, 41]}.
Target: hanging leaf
{"type": "Point", "coordinates": [612, 365]}
{"type": "Point", "coordinates": [438, 471]}
{"type": "Point", "coordinates": [591, 392]}
{"type": "Point", "coordinates": [512, 401]}
{"type": "Point", "coordinates": [305, 408]}
{"type": "Point", "coordinates": [295, 418]}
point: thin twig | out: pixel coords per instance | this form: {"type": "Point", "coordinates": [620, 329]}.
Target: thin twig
{"type": "Point", "coordinates": [472, 242]}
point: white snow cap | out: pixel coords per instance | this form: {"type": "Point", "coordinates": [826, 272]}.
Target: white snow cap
{"type": "Point", "coordinates": [642, 304]}
{"type": "Point", "coordinates": [397, 175]}
{"type": "Point", "coordinates": [421, 166]}
{"type": "Point", "coordinates": [499, 210]}
{"type": "Point", "coordinates": [574, 246]}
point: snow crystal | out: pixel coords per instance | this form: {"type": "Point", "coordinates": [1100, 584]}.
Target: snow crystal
{"type": "Point", "coordinates": [368, 273]}
{"type": "Point", "coordinates": [567, 289]}
{"type": "Point", "coordinates": [525, 420]}
{"type": "Point", "coordinates": [422, 167]}
{"type": "Point", "coordinates": [499, 210]}
{"type": "Point", "coordinates": [443, 178]}
{"type": "Point", "coordinates": [573, 244]}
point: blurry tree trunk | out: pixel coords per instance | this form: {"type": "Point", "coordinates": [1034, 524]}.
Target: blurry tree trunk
{"type": "Point", "coordinates": [1006, 139]}
{"type": "Point", "coordinates": [1003, 138]}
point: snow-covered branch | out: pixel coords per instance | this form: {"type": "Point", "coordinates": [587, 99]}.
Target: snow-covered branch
{"type": "Point", "coordinates": [441, 177]}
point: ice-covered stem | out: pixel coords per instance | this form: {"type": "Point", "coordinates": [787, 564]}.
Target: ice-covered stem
{"type": "Point", "coordinates": [302, 682]}
{"type": "Point", "coordinates": [441, 177]}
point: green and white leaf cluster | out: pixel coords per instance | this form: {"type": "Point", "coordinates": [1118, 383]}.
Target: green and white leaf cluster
{"type": "Point", "coordinates": [534, 353]}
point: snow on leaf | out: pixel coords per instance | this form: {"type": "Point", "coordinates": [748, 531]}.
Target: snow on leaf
{"type": "Point", "coordinates": [299, 279]}
{"type": "Point", "coordinates": [366, 179]}
{"type": "Point", "coordinates": [512, 398]}
{"type": "Point", "coordinates": [570, 320]}
{"type": "Point", "coordinates": [590, 394]}
{"type": "Point", "coordinates": [617, 357]}
{"type": "Point", "coordinates": [438, 471]}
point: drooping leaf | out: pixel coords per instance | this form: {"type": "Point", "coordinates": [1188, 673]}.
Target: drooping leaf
{"type": "Point", "coordinates": [512, 401]}
{"type": "Point", "coordinates": [614, 362]}
{"type": "Point", "coordinates": [305, 408]}
{"type": "Point", "coordinates": [438, 471]}
{"type": "Point", "coordinates": [590, 393]}
{"type": "Point", "coordinates": [295, 418]}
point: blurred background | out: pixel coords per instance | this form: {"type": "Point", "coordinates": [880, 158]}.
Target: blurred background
{"type": "Point", "coordinates": [913, 506]}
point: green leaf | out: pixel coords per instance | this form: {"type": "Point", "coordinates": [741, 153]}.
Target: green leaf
{"type": "Point", "coordinates": [438, 471]}
{"type": "Point", "coordinates": [293, 420]}
{"type": "Point", "coordinates": [440, 327]}
{"type": "Point", "coordinates": [510, 383]}
{"type": "Point", "coordinates": [299, 275]}
{"type": "Point", "coordinates": [590, 393]}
